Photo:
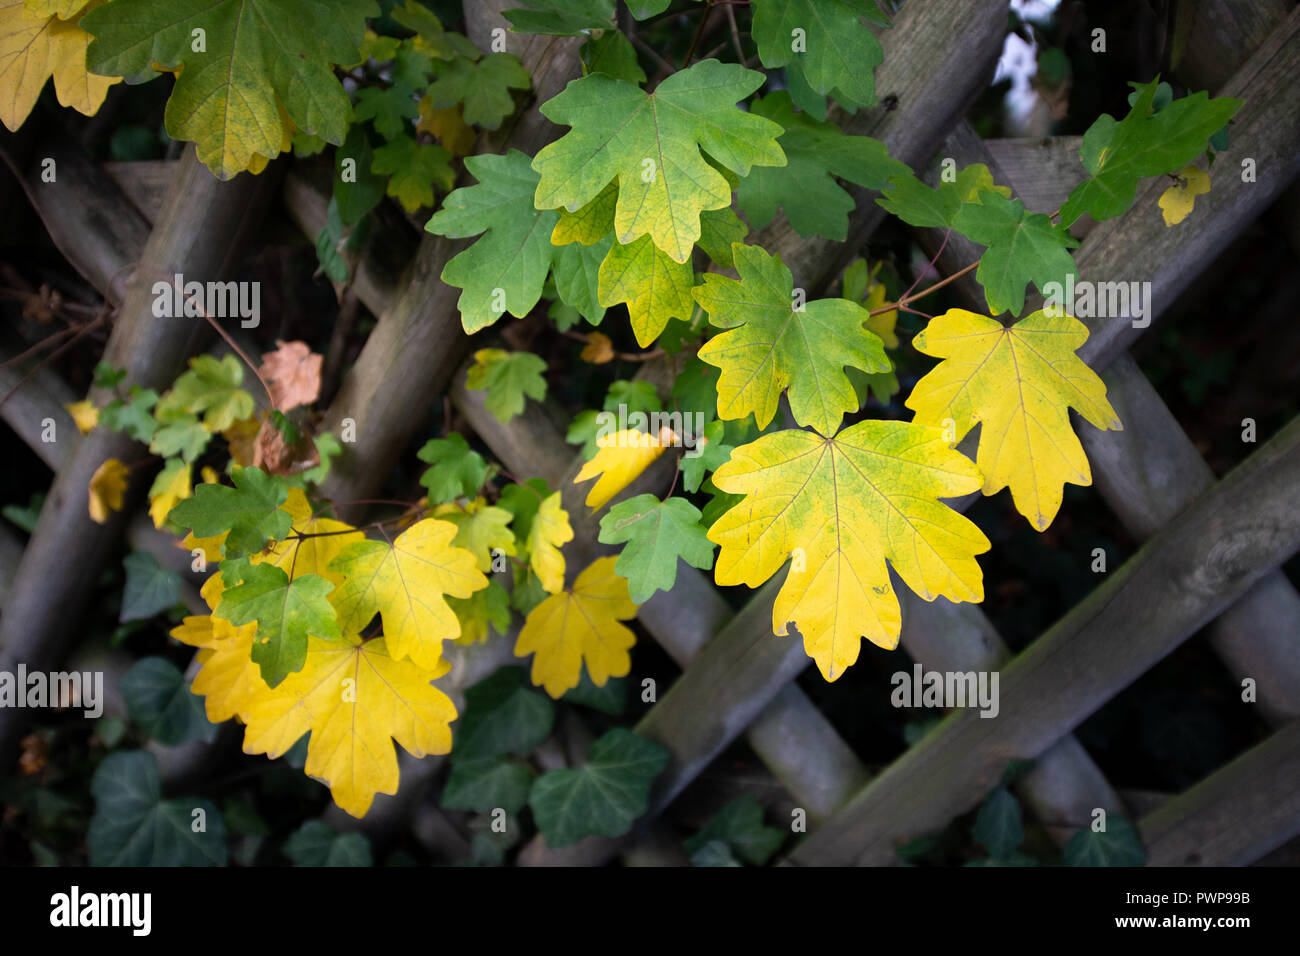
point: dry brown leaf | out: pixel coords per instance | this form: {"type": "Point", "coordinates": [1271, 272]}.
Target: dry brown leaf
{"type": "Point", "coordinates": [292, 372]}
{"type": "Point", "coordinates": [598, 350]}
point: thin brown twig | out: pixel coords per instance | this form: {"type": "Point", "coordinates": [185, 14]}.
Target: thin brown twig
{"type": "Point", "coordinates": [50, 358]}
{"type": "Point", "coordinates": [234, 346]}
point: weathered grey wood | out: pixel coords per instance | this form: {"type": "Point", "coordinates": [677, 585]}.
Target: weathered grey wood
{"type": "Point", "coordinates": [199, 233]}
{"type": "Point", "coordinates": [1221, 545]}
{"type": "Point", "coordinates": [42, 396]}
{"type": "Point", "coordinates": [144, 183]}
{"type": "Point", "coordinates": [1040, 171]}
{"type": "Point", "coordinates": [1233, 817]}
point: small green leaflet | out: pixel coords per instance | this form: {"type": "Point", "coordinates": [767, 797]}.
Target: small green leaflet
{"type": "Point", "coordinates": [286, 612]}
{"type": "Point", "coordinates": [389, 108]}
{"type": "Point", "coordinates": [805, 188]}
{"type": "Point", "coordinates": [920, 205]}
{"type": "Point", "coordinates": [178, 433]}
{"type": "Point", "coordinates": [1119, 153]}
{"type": "Point", "coordinates": [656, 533]}
{"type": "Point", "coordinates": [484, 86]}
{"type": "Point", "coordinates": [485, 783]}
{"type": "Point", "coordinates": [654, 287]}
{"type": "Point", "coordinates": [826, 47]}
{"type": "Point", "coordinates": [457, 470]}
{"type": "Point", "coordinates": [355, 199]}
{"type": "Point", "coordinates": [1023, 247]}
{"type": "Point", "coordinates": [508, 377]}
{"type": "Point", "coordinates": [158, 699]}
{"type": "Point", "coordinates": [250, 511]}
{"type": "Point", "coordinates": [132, 415]}
{"type": "Point", "coordinates": [318, 844]}
{"type": "Point", "coordinates": [739, 827]}
{"type": "Point", "coordinates": [503, 715]}
{"type": "Point", "coordinates": [613, 54]}
{"type": "Point", "coordinates": [210, 386]}
{"type": "Point", "coordinates": [998, 826]}
{"type": "Point", "coordinates": [134, 826]}
{"type": "Point", "coordinates": [413, 169]}
{"type": "Point", "coordinates": [603, 797]}
{"type": "Point", "coordinates": [419, 18]}
{"type": "Point", "coordinates": [506, 269]}
{"type": "Point", "coordinates": [651, 144]}
{"type": "Point", "coordinates": [1118, 845]}
{"type": "Point", "coordinates": [775, 341]}
{"type": "Point", "coordinates": [713, 452]}
{"type": "Point", "coordinates": [561, 17]}
{"type": "Point", "coordinates": [150, 588]}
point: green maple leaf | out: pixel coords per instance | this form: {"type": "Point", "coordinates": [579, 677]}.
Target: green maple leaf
{"type": "Point", "coordinates": [505, 270]}
{"type": "Point", "coordinates": [653, 286]}
{"type": "Point", "coordinates": [133, 414]}
{"type": "Point", "coordinates": [720, 229]}
{"type": "Point", "coordinates": [561, 17]}
{"type": "Point", "coordinates": [771, 344]}
{"type": "Point", "coordinates": [358, 197]}
{"type": "Point", "coordinates": [576, 271]}
{"type": "Point", "coordinates": [838, 55]}
{"type": "Point", "coordinates": [508, 377]}
{"type": "Point", "coordinates": [612, 53]}
{"type": "Point", "coordinates": [258, 56]}
{"type": "Point", "coordinates": [805, 188]}
{"type": "Point", "coordinates": [250, 511]}
{"type": "Point", "coordinates": [286, 611]}
{"type": "Point", "coordinates": [457, 470]}
{"type": "Point", "coordinates": [1023, 247]}
{"type": "Point", "coordinates": [420, 19]}
{"type": "Point", "coordinates": [210, 386]}
{"type": "Point", "coordinates": [656, 533]}
{"type": "Point", "coordinates": [483, 86]}
{"type": "Point", "coordinates": [1119, 153]}
{"type": "Point", "coordinates": [917, 204]}
{"type": "Point", "coordinates": [413, 170]}
{"type": "Point", "coordinates": [713, 453]}
{"type": "Point", "coordinates": [390, 108]}
{"type": "Point", "coordinates": [654, 145]}
{"type": "Point", "coordinates": [179, 433]}
{"type": "Point", "coordinates": [604, 796]}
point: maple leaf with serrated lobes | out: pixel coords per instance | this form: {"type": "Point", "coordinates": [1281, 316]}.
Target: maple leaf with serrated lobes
{"type": "Point", "coordinates": [457, 470]}
{"type": "Point", "coordinates": [805, 188]}
{"type": "Point", "coordinates": [1018, 383]}
{"type": "Point", "coordinates": [508, 377]}
{"type": "Point", "coordinates": [655, 534]}
{"type": "Point", "coordinates": [286, 612]}
{"type": "Point", "coordinates": [413, 169]}
{"type": "Point", "coordinates": [542, 525]}
{"type": "Point", "coordinates": [654, 287]}
{"type": "Point", "coordinates": [770, 346]}
{"type": "Point", "coordinates": [580, 626]}
{"type": "Point", "coordinates": [249, 512]}
{"type": "Point", "coordinates": [1119, 153]}
{"type": "Point", "coordinates": [262, 61]}
{"type": "Point", "coordinates": [227, 677]}
{"type": "Point", "coordinates": [1023, 247]}
{"type": "Point", "coordinates": [43, 40]}
{"type": "Point", "coordinates": [210, 386]}
{"type": "Point", "coordinates": [483, 87]}
{"type": "Point", "coordinates": [842, 507]}
{"type": "Point", "coordinates": [505, 270]}
{"type": "Point", "coordinates": [917, 204]}
{"type": "Point", "coordinates": [651, 144]}
{"type": "Point", "coordinates": [312, 542]}
{"type": "Point", "coordinates": [482, 529]}
{"type": "Point", "coordinates": [352, 734]}
{"type": "Point", "coordinates": [389, 108]}
{"type": "Point", "coordinates": [826, 45]}
{"type": "Point", "coordinates": [431, 36]}
{"type": "Point", "coordinates": [405, 583]}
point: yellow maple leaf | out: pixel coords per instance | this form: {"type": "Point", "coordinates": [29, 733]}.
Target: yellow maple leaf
{"type": "Point", "coordinates": [34, 48]}
{"type": "Point", "coordinates": [654, 287]}
{"type": "Point", "coordinates": [1020, 383]}
{"type": "Point", "coordinates": [1176, 202]}
{"type": "Point", "coordinates": [580, 626]}
{"type": "Point", "coordinates": [211, 547]}
{"type": "Point", "coordinates": [227, 679]}
{"type": "Point", "coordinates": [355, 700]}
{"type": "Point", "coordinates": [448, 125]}
{"type": "Point", "coordinates": [620, 460]}
{"type": "Point", "coordinates": [107, 488]}
{"type": "Point", "coordinates": [839, 508]}
{"type": "Point", "coordinates": [170, 487]}
{"type": "Point", "coordinates": [84, 414]}
{"type": "Point", "coordinates": [482, 528]}
{"type": "Point", "coordinates": [550, 531]}
{"type": "Point", "coordinates": [405, 584]}
{"type": "Point", "coordinates": [63, 9]}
